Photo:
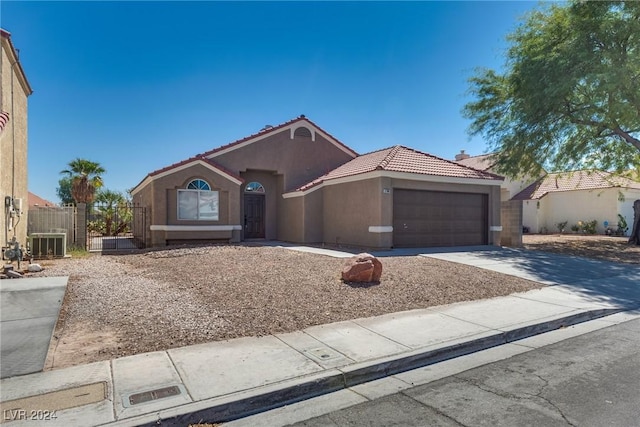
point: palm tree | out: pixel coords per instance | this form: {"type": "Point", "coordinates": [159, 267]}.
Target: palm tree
{"type": "Point", "coordinates": [85, 179]}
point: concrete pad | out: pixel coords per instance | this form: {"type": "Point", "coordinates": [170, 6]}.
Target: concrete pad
{"type": "Point", "coordinates": [315, 350]}
{"type": "Point", "coordinates": [29, 312]}
{"type": "Point", "coordinates": [30, 298]}
{"type": "Point", "coordinates": [218, 368]}
{"type": "Point", "coordinates": [301, 411]}
{"type": "Point", "coordinates": [354, 341]}
{"type": "Point", "coordinates": [420, 328]}
{"type": "Point", "coordinates": [450, 367]}
{"type": "Point", "coordinates": [503, 312]}
{"type": "Point", "coordinates": [144, 373]}
{"type": "Point", "coordinates": [24, 344]}
{"type": "Point", "coordinates": [63, 379]}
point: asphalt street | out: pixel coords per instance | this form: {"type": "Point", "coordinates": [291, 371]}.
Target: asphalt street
{"type": "Point", "coordinates": [589, 380]}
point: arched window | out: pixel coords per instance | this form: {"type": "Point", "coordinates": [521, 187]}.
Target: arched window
{"type": "Point", "coordinates": [199, 184]}
{"type": "Point", "coordinates": [254, 187]}
{"type": "Point", "coordinates": [198, 202]}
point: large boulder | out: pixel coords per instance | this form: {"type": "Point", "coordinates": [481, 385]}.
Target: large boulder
{"type": "Point", "coordinates": [362, 268]}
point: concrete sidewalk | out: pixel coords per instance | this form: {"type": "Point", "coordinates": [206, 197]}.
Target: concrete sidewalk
{"type": "Point", "coordinates": [29, 309]}
{"type": "Point", "coordinates": [222, 381]}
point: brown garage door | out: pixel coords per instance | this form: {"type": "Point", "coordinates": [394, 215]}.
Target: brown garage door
{"type": "Point", "coordinates": [435, 218]}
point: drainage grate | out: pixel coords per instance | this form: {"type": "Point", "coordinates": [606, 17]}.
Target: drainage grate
{"type": "Point", "coordinates": [159, 393]}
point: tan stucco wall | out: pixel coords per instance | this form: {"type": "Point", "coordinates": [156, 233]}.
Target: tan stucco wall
{"type": "Point", "coordinates": [13, 145]}
{"type": "Point", "coordinates": [350, 208]}
{"type": "Point", "coordinates": [299, 160]}
{"type": "Point", "coordinates": [160, 198]}
{"type": "Point", "coordinates": [348, 211]}
{"type": "Point", "coordinates": [579, 205]}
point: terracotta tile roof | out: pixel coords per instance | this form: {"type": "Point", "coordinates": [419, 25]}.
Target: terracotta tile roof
{"type": "Point", "coordinates": [274, 129]}
{"type": "Point", "coordinates": [35, 200]}
{"type": "Point", "coordinates": [402, 159]}
{"type": "Point", "coordinates": [483, 162]}
{"type": "Point", "coordinates": [569, 181]}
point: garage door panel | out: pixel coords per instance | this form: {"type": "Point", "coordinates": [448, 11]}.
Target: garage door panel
{"type": "Point", "coordinates": [432, 218]}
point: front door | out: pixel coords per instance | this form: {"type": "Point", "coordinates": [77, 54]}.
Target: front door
{"type": "Point", "coordinates": [254, 216]}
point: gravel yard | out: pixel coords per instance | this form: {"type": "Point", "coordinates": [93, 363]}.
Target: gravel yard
{"type": "Point", "coordinates": [120, 305]}
{"type": "Point", "coordinates": [605, 248]}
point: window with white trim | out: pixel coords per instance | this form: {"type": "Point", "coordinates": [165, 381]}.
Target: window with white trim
{"type": "Point", "coordinates": [198, 202]}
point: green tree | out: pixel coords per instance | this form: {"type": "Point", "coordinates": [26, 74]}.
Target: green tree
{"type": "Point", "coordinates": [114, 213]}
{"type": "Point", "coordinates": [86, 179]}
{"type": "Point", "coordinates": [64, 191]}
{"type": "Point", "coordinates": [569, 97]}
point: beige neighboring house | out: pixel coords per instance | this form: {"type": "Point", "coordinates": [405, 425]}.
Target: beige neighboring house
{"type": "Point", "coordinates": [14, 91]}
{"type": "Point", "coordinates": [571, 196]}
{"type": "Point", "coordinates": [509, 187]}
{"type": "Point", "coordinates": [578, 196]}
{"type": "Point", "coordinates": [295, 182]}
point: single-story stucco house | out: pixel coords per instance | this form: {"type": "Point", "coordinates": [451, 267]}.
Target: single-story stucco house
{"type": "Point", "coordinates": [297, 183]}
{"type": "Point", "coordinates": [579, 196]}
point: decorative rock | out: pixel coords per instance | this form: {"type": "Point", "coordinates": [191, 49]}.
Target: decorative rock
{"type": "Point", "coordinates": [13, 274]}
{"type": "Point", "coordinates": [362, 268]}
{"type": "Point", "coordinates": [34, 268]}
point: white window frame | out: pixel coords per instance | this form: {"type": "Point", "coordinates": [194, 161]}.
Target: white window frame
{"type": "Point", "coordinates": [203, 198]}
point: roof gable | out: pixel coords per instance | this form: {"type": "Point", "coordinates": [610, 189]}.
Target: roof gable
{"type": "Point", "coordinates": [402, 159]}
{"type": "Point", "coordinates": [572, 181]}
{"type": "Point", "coordinates": [199, 159]}
{"type": "Point", "coordinates": [208, 156]}
{"type": "Point", "coordinates": [291, 125]}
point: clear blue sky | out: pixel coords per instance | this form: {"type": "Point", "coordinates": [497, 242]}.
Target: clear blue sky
{"type": "Point", "coordinates": [137, 86]}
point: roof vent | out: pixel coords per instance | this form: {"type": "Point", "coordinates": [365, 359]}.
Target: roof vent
{"type": "Point", "coordinates": [302, 116]}
{"type": "Point", "coordinates": [462, 156]}
{"type": "Point", "coordinates": [266, 127]}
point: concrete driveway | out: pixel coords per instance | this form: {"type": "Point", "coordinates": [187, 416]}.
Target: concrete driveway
{"type": "Point", "coordinates": [29, 312]}
{"type": "Point", "coordinates": [600, 281]}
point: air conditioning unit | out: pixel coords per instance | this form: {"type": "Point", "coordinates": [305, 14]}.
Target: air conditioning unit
{"type": "Point", "coordinates": [48, 245]}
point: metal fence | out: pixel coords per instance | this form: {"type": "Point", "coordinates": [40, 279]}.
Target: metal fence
{"type": "Point", "coordinates": [115, 227]}
{"type": "Point", "coordinates": [53, 219]}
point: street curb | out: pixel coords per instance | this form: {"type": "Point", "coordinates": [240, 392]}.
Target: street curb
{"type": "Point", "coordinates": [349, 376]}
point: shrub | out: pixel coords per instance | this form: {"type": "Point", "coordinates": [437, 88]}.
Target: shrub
{"type": "Point", "coordinates": [561, 226]}
{"type": "Point", "coordinates": [575, 228]}
{"type": "Point", "coordinates": [589, 227]}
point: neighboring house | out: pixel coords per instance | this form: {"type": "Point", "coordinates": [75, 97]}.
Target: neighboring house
{"type": "Point", "coordinates": [578, 196]}
{"type": "Point", "coordinates": [37, 201]}
{"type": "Point", "coordinates": [509, 187]}
{"type": "Point", "coordinates": [297, 183]}
{"type": "Point", "coordinates": [511, 212]}
{"type": "Point", "coordinates": [14, 90]}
